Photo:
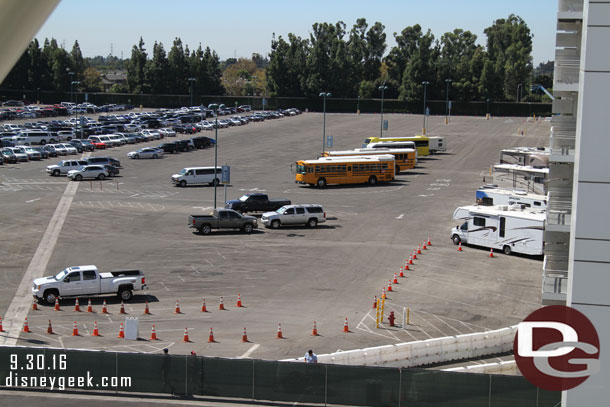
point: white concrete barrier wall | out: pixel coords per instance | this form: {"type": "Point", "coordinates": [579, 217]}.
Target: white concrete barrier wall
{"type": "Point", "coordinates": [418, 353]}
{"type": "Point", "coordinates": [504, 367]}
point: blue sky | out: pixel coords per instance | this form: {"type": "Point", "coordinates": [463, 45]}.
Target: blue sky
{"type": "Point", "coordinates": [239, 28]}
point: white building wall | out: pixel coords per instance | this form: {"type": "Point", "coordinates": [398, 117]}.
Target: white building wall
{"type": "Point", "coordinates": [589, 264]}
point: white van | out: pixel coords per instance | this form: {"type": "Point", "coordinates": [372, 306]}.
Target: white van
{"type": "Point", "coordinates": [38, 137]}
{"type": "Point", "coordinates": [197, 176]}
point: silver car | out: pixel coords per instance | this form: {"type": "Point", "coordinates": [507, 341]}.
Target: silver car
{"type": "Point", "coordinates": [88, 171]}
{"type": "Point", "coordinates": [147, 152]}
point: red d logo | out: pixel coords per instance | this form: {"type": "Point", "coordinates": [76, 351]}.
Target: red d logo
{"type": "Point", "coordinates": [556, 348]}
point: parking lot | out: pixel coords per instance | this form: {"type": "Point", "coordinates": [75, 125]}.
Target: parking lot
{"type": "Point", "coordinates": [291, 276]}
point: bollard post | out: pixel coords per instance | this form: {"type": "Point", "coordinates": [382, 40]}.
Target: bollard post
{"type": "Point", "coordinates": [408, 315]}
{"type": "Point", "coordinates": [117, 185]}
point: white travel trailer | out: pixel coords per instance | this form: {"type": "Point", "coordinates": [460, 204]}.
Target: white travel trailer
{"type": "Point", "coordinates": [527, 178]}
{"type": "Point", "coordinates": [437, 144]}
{"type": "Point", "coordinates": [501, 228]}
{"type": "Point", "coordinates": [492, 195]}
{"type": "Point", "coordinates": [537, 157]}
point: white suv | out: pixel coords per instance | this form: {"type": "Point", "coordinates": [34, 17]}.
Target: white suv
{"type": "Point", "coordinates": [308, 214]}
{"type": "Point", "coordinates": [88, 171]}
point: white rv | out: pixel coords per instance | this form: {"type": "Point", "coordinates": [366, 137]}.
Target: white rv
{"type": "Point", "coordinates": [527, 178]}
{"type": "Point", "coordinates": [437, 144]}
{"type": "Point", "coordinates": [492, 195]}
{"type": "Point", "coordinates": [500, 227]}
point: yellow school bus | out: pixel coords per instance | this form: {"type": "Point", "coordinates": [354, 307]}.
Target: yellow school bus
{"type": "Point", "coordinates": [422, 143]}
{"type": "Point", "coordinates": [404, 158]}
{"type": "Point", "coordinates": [345, 170]}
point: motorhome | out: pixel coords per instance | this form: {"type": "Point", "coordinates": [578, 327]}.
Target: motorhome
{"type": "Point", "coordinates": [491, 195]}
{"type": "Point", "coordinates": [537, 157]}
{"type": "Point", "coordinates": [527, 178]}
{"type": "Point", "coordinates": [506, 228]}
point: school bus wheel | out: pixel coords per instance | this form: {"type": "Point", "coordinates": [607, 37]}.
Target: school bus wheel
{"type": "Point", "coordinates": [321, 182]}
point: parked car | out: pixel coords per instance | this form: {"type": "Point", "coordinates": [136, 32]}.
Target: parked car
{"type": "Point", "coordinates": [69, 148]}
{"type": "Point", "coordinates": [101, 141]}
{"type": "Point", "coordinates": [244, 108]}
{"type": "Point", "coordinates": [112, 170]}
{"type": "Point", "coordinates": [147, 152]}
{"type": "Point", "coordinates": [289, 215]}
{"type": "Point", "coordinates": [61, 150]}
{"type": "Point", "coordinates": [185, 145]}
{"type": "Point", "coordinates": [65, 166]}
{"type": "Point", "coordinates": [33, 154]}
{"type": "Point", "coordinates": [9, 156]}
{"type": "Point", "coordinates": [201, 141]}
{"type": "Point", "coordinates": [167, 132]}
{"type": "Point", "coordinates": [171, 147]}
{"type": "Point", "coordinates": [82, 145]}
{"type": "Point", "coordinates": [50, 148]}
{"type": "Point", "coordinates": [256, 202]}
{"type": "Point", "coordinates": [197, 175]}
{"type": "Point", "coordinates": [44, 154]}
{"type": "Point", "coordinates": [20, 153]}
{"type": "Point", "coordinates": [104, 161]}
{"type": "Point", "coordinates": [88, 171]}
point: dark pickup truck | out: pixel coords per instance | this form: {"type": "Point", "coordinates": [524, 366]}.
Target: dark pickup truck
{"type": "Point", "coordinates": [222, 219]}
{"type": "Point", "coordinates": [256, 203]}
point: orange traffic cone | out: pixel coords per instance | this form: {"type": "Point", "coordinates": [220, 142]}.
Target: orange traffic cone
{"type": "Point", "coordinates": [244, 337]}
{"type": "Point", "coordinates": [491, 252]}
{"type": "Point", "coordinates": [221, 305]}
{"type": "Point", "coordinates": [279, 332]}
{"type": "Point", "coordinates": [153, 334]}
{"type": "Point", "coordinates": [375, 303]}
{"type": "Point", "coordinates": [345, 326]}
{"type": "Point", "coordinates": [57, 305]}
{"type": "Point", "coordinates": [1, 328]}
{"type": "Point", "coordinates": [50, 328]}
{"type": "Point", "coordinates": [238, 301]}
{"type": "Point", "coordinates": [410, 260]}
{"type": "Point", "coordinates": [146, 309]}
{"type": "Point", "coordinates": [89, 306]}
{"type": "Point", "coordinates": [96, 331]}
{"type": "Point", "coordinates": [418, 249]}
{"type": "Point", "coordinates": [76, 306]}
{"type": "Point", "coordinates": [383, 296]}
{"type": "Point", "coordinates": [390, 285]}
{"type": "Point", "coordinates": [395, 281]}
{"type": "Point", "coordinates": [211, 337]}
{"type": "Point", "coordinates": [104, 308]}
{"type": "Point", "coordinates": [405, 269]}
{"type": "Point", "coordinates": [26, 327]}
{"type": "Point", "coordinates": [314, 331]}
{"type": "Point", "coordinates": [122, 311]}
{"type": "Point", "coordinates": [75, 330]}
{"type": "Point", "coordinates": [34, 306]}
{"type": "Point", "coordinates": [460, 247]}
{"type": "Point", "coordinates": [186, 335]}
{"type": "Point", "coordinates": [414, 255]}
{"type": "Point", "coordinates": [177, 309]}
{"type": "Point", "coordinates": [121, 332]}
{"type": "Point", "coordinates": [203, 307]}
{"type": "Point", "coordinates": [429, 241]}
{"type": "Point", "coordinates": [424, 246]}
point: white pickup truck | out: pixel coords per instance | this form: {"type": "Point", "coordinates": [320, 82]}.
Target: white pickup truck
{"type": "Point", "coordinates": [87, 281]}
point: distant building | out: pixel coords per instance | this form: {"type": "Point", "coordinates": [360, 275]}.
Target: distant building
{"type": "Point", "coordinates": [113, 77]}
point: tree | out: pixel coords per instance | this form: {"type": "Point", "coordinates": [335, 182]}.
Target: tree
{"type": "Point", "coordinates": [156, 71]}
{"type": "Point", "coordinates": [457, 50]}
{"type": "Point", "coordinates": [77, 64]}
{"type": "Point", "coordinates": [509, 47]}
{"type": "Point", "coordinates": [259, 60]}
{"type": "Point", "coordinates": [213, 74]}
{"type": "Point", "coordinates": [419, 67]}
{"type": "Point", "coordinates": [178, 69]}
{"type": "Point", "coordinates": [38, 67]}
{"type": "Point", "coordinates": [60, 66]}
{"type": "Point", "coordinates": [237, 78]}
{"type": "Point", "coordinates": [287, 70]}
{"type": "Point", "coordinates": [92, 80]}
{"type": "Point", "coordinates": [135, 68]}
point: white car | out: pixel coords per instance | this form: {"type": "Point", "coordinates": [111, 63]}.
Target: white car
{"type": "Point", "coordinates": [33, 154]}
{"type": "Point", "coordinates": [19, 153]}
{"type": "Point", "coordinates": [291, 215]}
{"type": "Point", "coordinates": [88, 171]}
{"type": "Point", "coordinates": [236, 122]}
{"type": "Point", "coordinates": [151, 135]}
{"type": "Point", "coordinates": [60, 149]}
{"type": "Point", "coordinates": [167, 132]}
{"type": "Point", "coordinates": [69, 148]}
{"type": "Point", "coordinates": [147, 152]}
{"type": "Point", "coordinates": [65, 166]}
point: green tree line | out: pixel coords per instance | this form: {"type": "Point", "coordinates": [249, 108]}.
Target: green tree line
{"type": "Point", "coordinates": [352, 63]}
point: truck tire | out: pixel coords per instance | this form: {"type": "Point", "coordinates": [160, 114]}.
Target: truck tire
{"type": "Point", "coordinates": [275, 224]}
{"type": "Point", "coordinates": [215, 182]}
{"type": "Point", "coordinates": [125, 294]}
{"type": "Point", "coordinates": [50, 296]}
{"type": "Point", "coordinates": [507, 250]}
{"type": "Point", "coordinates": [55, 173]}
{"type": "Point", "coordinates": [456, 239]}
{"type": "Point", "coordinates": [372, 180]}
{"type": "Point", "coordinates": [247, 228]}
{"type": "Point", "coordinates": [312, 223]}
{"type": "Point", "coordinates": [205, 229]}
{"type": "Point", "coordinates": [321, 183]}
{"type": "Point", "coordinates": [182, 183]}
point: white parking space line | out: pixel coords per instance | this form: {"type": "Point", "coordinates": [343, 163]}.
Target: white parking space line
{"type": "Point", "coordinates": [20, 305]}
{"type": "Point", "coordinates": [402, 215]}
{"type": "Point", "coordinates": [32, 200]}
{"type": "Point", "coordinates": [249, 351]}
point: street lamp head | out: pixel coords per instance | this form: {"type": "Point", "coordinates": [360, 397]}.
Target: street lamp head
{"type": "Point", "coordinates": [383, 87]}
{"type": "Point", "coordinates": [425, 83]}
{"type": "Point", "coordinates": [448, 80]}
{"type": "Point", "coordinates": [325, 94]}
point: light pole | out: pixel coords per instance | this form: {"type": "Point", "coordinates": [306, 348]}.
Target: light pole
{"type": "Point", "coordinates": [71, 83]}
{"type": "Point", "coordinates": [425, 83]}
{"type": "Point", "coordinates": [447, 81]}
{"type": "Point", "coordinates": [358, 107]}
{"type": "Point", "coordinates": [487, 116]}
{"type": "Point", "coordinates": [324, 95]}
{"type": "Point", "coordinates": [518, 89]}
{"type": "Point", "coordinates": [75, 105]}
{"type": "Point", "coordinates": [382, 88]}
{"type": "Point", "coordinates": [215, 108]}
{"type": "Point", "coordinates": [191, 80]}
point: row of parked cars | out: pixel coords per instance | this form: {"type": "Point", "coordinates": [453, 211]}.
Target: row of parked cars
{"type": "Point", "coordinates": [24, 153]}
{"type": "Point", "coordinates": [89, 168]}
